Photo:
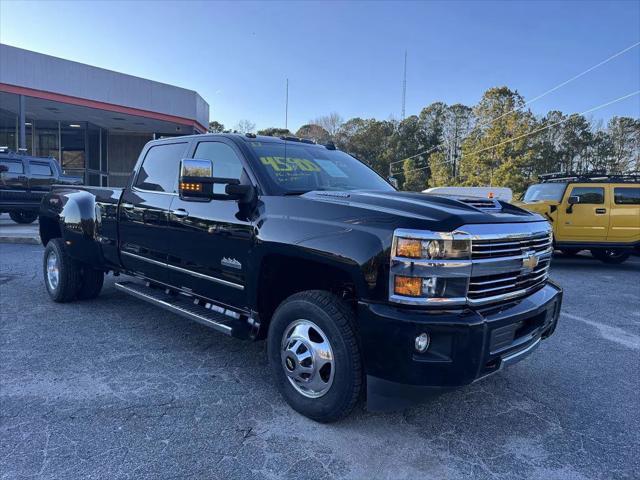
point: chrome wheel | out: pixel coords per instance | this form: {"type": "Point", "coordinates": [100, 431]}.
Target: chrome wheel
{"type": "Point", "coordinates": [307, 358]}
{"type": "Point", "coordinates": [53, 270]}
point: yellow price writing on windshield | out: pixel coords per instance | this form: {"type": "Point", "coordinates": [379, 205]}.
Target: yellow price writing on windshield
{"type": "Point", "coordinates": [282, 164]}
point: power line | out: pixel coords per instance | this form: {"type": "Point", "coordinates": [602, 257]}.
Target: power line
{"type": "Point", "coordinates": [619, 99]}
{"type": "Point", "coordinates": [417, 154]}
{"type": "Point", "coordinates": [551, 90]}
{"type": "Point", "coordinates": [557, 87]}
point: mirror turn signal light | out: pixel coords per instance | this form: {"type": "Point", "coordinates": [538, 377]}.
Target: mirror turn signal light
{"type": "Point", "coordinates": [191, 187]}
{"type": "Point", "coordinates": [409, 247]}
{"type": "Point", "coordinates": [408, 286]}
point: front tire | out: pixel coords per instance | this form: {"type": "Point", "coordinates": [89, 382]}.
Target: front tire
{"type": "Point", "coordinates": [612, 256]}
{"type": "Point", "coordinates": [314, 355]}
{"type": "Point", "coordinates": [61, 272]}
{"type": "Point", "coordinates": [23, 217]}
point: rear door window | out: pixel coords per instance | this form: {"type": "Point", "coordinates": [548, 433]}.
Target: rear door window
{"type": "Point", "coordinates": [626, 195]}
{"type": "Point", "coordinates": [13, 166]}
{"type": "Point", "coordinates": [589, 195]}
{"type": "Point", "coordinates": [42, 169]}
{"type": "Point", "coordinates": [160, 168]}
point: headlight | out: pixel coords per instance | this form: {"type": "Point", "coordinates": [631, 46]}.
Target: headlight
{"type": "Point", "coordinates": [440, 248]}
{"type": "Point", "coordinates": [429, 267]}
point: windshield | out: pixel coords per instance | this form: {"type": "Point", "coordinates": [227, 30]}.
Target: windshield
{"type": "Point", "coordinates": [545, 191]}
{"type": "Point", "coordinates": [299, 168]}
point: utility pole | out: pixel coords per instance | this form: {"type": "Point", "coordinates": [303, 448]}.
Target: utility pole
{"type": "Point", "coordinates": [404, 85]}
{"type": "Point", "coordinates": [286, 106]}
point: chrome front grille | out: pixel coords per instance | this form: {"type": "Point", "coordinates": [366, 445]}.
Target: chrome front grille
{"type": "Point", "coordinates": [508, 247]}
{"type": "Point", "coordinates": [507, 261]}
{"type": "Point", "coordinates": [491, 288]}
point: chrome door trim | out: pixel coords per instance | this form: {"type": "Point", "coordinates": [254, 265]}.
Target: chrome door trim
{"type": "Point", "coordinates": [184, 270]}
{"type": "Point", "coordinates": [145, 259]}
{"type": "Point", "coordinates": [206, 277]}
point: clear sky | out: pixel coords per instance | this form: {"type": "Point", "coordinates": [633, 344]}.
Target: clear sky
{"type": "Point", "coordinates": [346, 56]}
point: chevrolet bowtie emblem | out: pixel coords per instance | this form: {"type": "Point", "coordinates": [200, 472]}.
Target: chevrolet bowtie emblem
{"type": "Point", "coordinates": [530, 261]}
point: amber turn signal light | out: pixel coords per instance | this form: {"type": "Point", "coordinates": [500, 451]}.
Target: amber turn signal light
{"type": "Point", "coordinates": [408, 247]}
{"type": "Point", "coordinates": [191, 187]}
{"type": "Point", "coordinates": [408, 286]}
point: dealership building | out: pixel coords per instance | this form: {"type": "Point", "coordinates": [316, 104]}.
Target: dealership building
{"type": "Point", "coordinates": [93, 121]}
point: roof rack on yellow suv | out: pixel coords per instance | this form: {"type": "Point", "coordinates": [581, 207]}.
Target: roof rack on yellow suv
{"type": "Point", "coordinates": [591, 177]}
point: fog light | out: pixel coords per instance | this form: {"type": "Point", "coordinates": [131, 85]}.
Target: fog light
{"type": "Point", "coordinates": [422, 342]}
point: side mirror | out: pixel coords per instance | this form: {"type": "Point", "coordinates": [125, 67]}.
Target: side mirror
{"type": "Point", "coordinates": [572, 200]}
{"type": "Point", "coordinates": [195, 178]}
{"type": "Point", "coordinates": [197, 182]}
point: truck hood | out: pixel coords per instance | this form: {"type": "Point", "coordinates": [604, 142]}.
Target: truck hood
{"type": "Point", "coordinates": [415, 210]}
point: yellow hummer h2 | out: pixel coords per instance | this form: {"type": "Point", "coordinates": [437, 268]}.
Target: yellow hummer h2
{"type": "Point", "coordinates": [600, 213]}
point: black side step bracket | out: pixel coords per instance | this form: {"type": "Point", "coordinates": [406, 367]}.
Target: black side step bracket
{"type": "Point", "coordinates": [236, 326]}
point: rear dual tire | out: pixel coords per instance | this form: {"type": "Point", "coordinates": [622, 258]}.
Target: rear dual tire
{"type": "Point", "coordinates": [67, 279]}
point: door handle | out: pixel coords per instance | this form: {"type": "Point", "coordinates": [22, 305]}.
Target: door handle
{"type": "Point", "coordinates": [127, 206]}
{"type": "Point", "coordinates": [180, 213]}
{"type": "Point", "coordinates": [601, 211]}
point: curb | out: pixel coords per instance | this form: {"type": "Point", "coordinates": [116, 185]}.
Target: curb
{"type": "Point", "coordinates": [24, 240]}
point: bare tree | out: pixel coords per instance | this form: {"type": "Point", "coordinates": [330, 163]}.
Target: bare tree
{"type": "Point", "coordinates": [331, 123]}
{"type": "Point", "coordinates": [245, 126]}
{"type": "Point", "coordinates": [457, 125]}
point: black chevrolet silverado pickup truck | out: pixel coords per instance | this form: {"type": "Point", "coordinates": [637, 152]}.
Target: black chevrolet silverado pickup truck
{"type": "Point", "coordinates": [357, 288]}
{"type": "Point", "coordinates": [25, 180]}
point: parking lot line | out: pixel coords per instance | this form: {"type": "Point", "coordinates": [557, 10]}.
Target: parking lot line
{"type": "Point", "coordinates": [615, 334]}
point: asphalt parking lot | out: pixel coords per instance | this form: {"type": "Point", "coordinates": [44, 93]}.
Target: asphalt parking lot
{"type": "Point", "coordinates": [115, 388]}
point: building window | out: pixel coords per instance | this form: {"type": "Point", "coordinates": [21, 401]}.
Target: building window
{"type": "Point", "coordinates": [8, 130]}
{"type": "Point", "coordinates": [72, 144]}
{"type": "Point", "coordinates": [47, 139]}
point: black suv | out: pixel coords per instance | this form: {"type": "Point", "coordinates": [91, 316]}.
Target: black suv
{"type": "Point", "coordinates": [24, 180]}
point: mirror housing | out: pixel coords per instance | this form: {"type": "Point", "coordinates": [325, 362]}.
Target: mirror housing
{"type": "Point", "coordinates": [197, 181]}
{"type": "Point", "coordinates": [572, 200]}
{"type": "Point", "coordinates": [241, 193]}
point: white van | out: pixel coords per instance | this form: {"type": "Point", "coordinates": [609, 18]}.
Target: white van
{"type": "Point", "coordinates": [500, 193]}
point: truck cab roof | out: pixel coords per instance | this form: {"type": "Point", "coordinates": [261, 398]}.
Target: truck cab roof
{"type": "Point", "coordinates": [247, 138]}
